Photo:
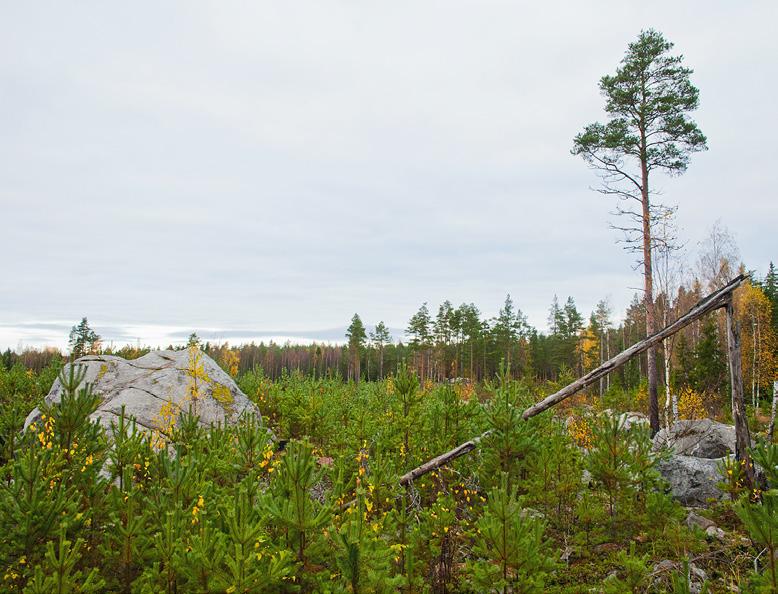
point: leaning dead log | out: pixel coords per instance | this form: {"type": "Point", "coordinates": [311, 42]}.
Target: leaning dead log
{"type": "Point", "coordinates": [716, 300]}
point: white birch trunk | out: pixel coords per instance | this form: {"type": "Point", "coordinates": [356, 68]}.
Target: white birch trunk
{"type": "Point", "coordinates": [671, 404]}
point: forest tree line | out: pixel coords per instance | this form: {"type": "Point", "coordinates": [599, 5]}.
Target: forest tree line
{"type": "Point", "coordinates": [460, 343]}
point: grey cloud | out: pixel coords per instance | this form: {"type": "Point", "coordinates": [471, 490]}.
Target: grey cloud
{"type": "Point", "coordinates": [269, 166]}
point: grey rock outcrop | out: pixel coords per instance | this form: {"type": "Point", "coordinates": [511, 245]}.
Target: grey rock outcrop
{"type": "Point", "coordinates": [156, 388]}
{"type": "Point", "coordinates": [693, 481]}
{"type": "Point", "coordinates": [698, 448]}
{"type": "Point", "coordinates": [702, 439]}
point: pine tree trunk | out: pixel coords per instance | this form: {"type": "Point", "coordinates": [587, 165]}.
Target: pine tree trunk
{"type": "Point", "coordinates": [648, 279]}
{"type": "Point", "coordinates": [772, 413]}
{"type": "Point", "coordinates": [471, 361]}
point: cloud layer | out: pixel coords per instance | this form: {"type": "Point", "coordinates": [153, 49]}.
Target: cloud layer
{"type": "Point", "coordinates": [275, 167]}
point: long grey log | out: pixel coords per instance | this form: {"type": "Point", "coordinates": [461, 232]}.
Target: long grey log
{"type": "Point", "coordinates": [715, 300]}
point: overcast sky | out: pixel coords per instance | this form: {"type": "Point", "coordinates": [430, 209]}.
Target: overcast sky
{"type": "Point", "coordinates": [270, 168]}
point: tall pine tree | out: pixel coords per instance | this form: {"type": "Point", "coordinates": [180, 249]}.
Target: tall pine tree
{"type": "Point", "coordinates": [647, 102]}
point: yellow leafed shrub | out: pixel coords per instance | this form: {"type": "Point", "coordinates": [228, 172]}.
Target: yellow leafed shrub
{"type": "Point", "coordinates": [581, 432]}
{"type": "Point", "coordinates": [690, 405]}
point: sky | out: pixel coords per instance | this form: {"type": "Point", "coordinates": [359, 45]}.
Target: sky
{"type": "Point", "coordinates": [267, 169]}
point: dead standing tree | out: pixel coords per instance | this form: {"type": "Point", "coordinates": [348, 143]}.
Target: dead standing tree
{"type": "Point", "coordinates": [716, 300]}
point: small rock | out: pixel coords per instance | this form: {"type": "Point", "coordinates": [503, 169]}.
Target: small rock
{"type": "Point", "coordinates": [629, 419]}
{"type": "Point", "coordinates": [529, 512]}
{"type": "Point", "coordinates": [715, 532]}
{"type": "Point", "coordinates": [663, 569]}
{"type": "Point", "coordinates": [697, 573]}
{"type": "Point", "coordinates": [694, 519]}
{"type": "Point", "coordinates": [665, 566]}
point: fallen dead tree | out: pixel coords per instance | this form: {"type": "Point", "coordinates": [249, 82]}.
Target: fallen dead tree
{"type": "Point", "coordinates": [443, 459]}
{"type": "Point", "coordinates": [716, 300]}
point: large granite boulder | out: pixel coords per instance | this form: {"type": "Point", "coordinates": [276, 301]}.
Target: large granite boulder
{"type": "Point", "coordinates": [702, 439]}
{"type": "Point", "coordinates": [693, 481]}
{"type": "Point", "coordinates": [156, 388]}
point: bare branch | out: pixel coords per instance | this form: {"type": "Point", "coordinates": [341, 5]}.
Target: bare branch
{"type": "Point", "coordinates": [613, 168]}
